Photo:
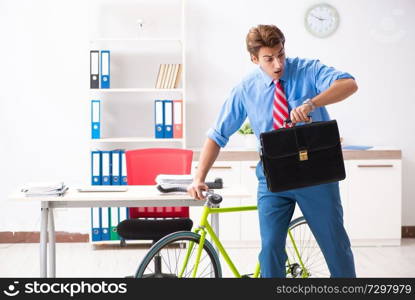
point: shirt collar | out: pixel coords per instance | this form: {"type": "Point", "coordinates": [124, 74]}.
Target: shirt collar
{"type": "Point", "coordinates": [268, 81]}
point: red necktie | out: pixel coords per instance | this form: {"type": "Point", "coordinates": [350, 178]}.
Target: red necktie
{"type": "Point", "coordinates": [280, 107]}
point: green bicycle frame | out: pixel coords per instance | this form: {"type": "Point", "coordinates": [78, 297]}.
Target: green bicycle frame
{"type": "Point", "coordinates": [205, 228]}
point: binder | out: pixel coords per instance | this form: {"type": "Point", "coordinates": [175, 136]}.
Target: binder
{"type": "Point", "coordinates": [168, 118]}
{"type": "Point", "coordinates": [105, 69]}
{"type": "Point", "coordinates": [96, 119]}
{"type": "Point", "coordinates": [106, 167]}
{"type": "Point", "coordinates": [123, 169]}
{"type": "Point", "coordinates": [96, 170]}
{"type": "Point", "coordinates": [123, 214]}
{"type": "Point", "coordinates": [116, 167]}
{"type": "Point", "coordinates": [178, 119]}
{"type": "Point", "coordinates": [105, 230]}
{"type": "Point", "coordinates": [114, 219]}
{"type": "Point", "coordinates": [95, 224]}
{"type": "Point", "coordinates": [159, 119]}
{"type": "Point", "coordinates": [94, 69]}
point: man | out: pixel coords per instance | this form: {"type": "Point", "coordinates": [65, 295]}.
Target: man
{"type": "Point", "coordinates": [280, 88]}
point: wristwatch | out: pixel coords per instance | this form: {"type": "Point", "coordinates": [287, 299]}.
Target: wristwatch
{"type": "Point", "coordinates": [309, 102]}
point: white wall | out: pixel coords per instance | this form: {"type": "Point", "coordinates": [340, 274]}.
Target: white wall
{"type": "Point", "coordinates": [44, 80]}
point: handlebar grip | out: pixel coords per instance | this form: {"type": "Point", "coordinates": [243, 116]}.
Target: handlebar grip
{"type": "Point", "coordinates": [211, 197]}
{"type": "Point", "coordinates": [171, 189]}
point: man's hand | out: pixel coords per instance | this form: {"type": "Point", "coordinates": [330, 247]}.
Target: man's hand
{"type": "Point", "coordinates": [196, 188]}
{"type": "Point", "coordinates": [300, 113]}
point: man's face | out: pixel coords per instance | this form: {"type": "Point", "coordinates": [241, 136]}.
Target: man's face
{"type": "Point", "coordinates": [271, 60]}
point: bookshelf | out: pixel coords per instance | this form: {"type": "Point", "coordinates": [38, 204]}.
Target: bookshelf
{"type": "Point", "coordinates": [127, 116]}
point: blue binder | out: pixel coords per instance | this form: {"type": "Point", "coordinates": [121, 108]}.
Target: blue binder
{"type": "Point", "coordinates": [168, 118]}
{"type": "Point", "coordinates": [96, 170]}
{"type": "Point", "coordinates": [116, 167]}
{"type": "Point", "coordinates": [95, 224]}
{"type": "Point", "coordinates": [105, 69]}
{"type": "Point", "coordinates": [105, 223]}
{"type": "Point", "coordinates": [106, 167]}
{"type": "Point", "coordinates": [159, 119]}
{"type": "Point", "coordinates": [96, 119]}
{"type": "Point", "coordinates": [123, 169]}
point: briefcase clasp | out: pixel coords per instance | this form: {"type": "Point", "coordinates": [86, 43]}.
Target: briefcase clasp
{"type": "Point", "coordinates": [303, 155]}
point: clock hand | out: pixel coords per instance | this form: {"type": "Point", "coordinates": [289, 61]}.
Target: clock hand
{"type": "Point", "coordinates": [320, 19]}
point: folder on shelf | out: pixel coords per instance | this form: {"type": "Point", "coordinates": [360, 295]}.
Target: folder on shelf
{"type": "Point", "coordinates": [159, 119]}
{"type": "Point", "coordinates": [96, 119]}
{"type": "Point", "coordinates": [174, 75]}
{"type": "Point", "coordinates": [167, 76]}
{"type": "Point", "coordinates": [105, 230]}
{"type": "Point", "coordinates": [95, 224]}
{"type": "Point", "coordinates": [116, 167]}
{"type": "Point", "coordinates": [168, 118]}
{"type": "Point", "coordinates": [96, 170]}
{"type": "Point", "coordinates": [94, 69]}
{"type": "Point", "coordinates": [170, 76]}
{"type": "Point", "coordinates": [106, 167]}
{"type": "Point", "coordinates": [105, 69]}
{"type": "Point", "coordinates": [160, 76]}
{"type": "Point", "coordinates": [178, 76]}
{"type": "Point", "coordinates": [178, 119]}
{"type": "Point", "coordinates": [114, 219]}
{"type": "Point", "coordinates": [123, 171]}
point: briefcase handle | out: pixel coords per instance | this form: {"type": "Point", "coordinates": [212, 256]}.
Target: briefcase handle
{"type": "Point", "coordinates": [288, 121]}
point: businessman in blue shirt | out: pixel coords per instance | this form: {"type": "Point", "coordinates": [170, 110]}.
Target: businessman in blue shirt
{"type": "Point", "coordinates": [306, 86]}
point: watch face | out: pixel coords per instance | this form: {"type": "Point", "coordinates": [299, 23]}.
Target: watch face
{"type": "Point", "coordinates": [322, 20]}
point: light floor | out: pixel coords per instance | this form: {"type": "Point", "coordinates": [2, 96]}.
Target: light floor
{"type": "Point", "coordinates": [82, 260]}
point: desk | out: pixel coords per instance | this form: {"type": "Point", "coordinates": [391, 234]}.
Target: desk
{"type": "Point", "coordinates": [135, 196]}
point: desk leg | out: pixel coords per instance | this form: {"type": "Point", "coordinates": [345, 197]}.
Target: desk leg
{"type": "Point", "coordinates": [214, 220]}
{"type": "Point", "coordinates": [52, 250]}
{"type": "Point", "coordinates": [43, 241]}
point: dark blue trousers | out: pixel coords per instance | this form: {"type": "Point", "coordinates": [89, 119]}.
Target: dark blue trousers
{"type": "Point", "coordinates": [321, 207]}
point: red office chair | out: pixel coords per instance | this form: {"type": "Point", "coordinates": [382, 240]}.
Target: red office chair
{"type": "Point", "coordinates": [143, 166]}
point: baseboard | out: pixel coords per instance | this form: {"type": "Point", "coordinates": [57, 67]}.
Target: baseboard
{"type": "Point", "coordinates": [408, 231]}
{"type": "Point", "coordinates": [34, 237]}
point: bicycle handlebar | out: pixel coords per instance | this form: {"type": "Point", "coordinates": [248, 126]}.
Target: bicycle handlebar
{"type": "Point", "coordinates": [211, 196]}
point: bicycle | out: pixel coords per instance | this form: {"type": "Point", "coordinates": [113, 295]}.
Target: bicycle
{"type": "Point", "coordinates": [185, 254]}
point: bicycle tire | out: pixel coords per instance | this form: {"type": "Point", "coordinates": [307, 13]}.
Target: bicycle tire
{"type": "Point", "coordinates": [171, 241]}
{"type": "Point", "coordinates": [313, 260]}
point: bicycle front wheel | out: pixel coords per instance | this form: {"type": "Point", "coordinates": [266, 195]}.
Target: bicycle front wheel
{"type": "Point", "coordinates": [175, 256]}
{"type": "Point", "coordinates": [305, 258]}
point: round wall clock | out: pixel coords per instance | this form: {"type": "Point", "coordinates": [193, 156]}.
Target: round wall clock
{"type": "Point", "coordinates": [322, 20]}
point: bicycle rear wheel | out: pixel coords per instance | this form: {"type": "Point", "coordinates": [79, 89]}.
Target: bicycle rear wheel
{"type": "Point", "coordinates": [305, 258]}
{"type": "Point", "coordinates": [167, 258]}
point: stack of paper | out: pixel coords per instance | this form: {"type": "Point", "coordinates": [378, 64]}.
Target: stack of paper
{"type": "Point", "coordinates": [37, 189]}
{"type": "Point", "coordinates": [167, 179]}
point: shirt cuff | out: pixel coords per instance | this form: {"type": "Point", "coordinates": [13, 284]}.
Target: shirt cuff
{"type": "Point", "coordinates": [217, 137]}
{"type": "Point", "coordinates": [344, 76]}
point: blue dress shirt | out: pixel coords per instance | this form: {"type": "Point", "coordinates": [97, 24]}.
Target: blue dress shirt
{"type": "Point", "coordinates": [253, 97]}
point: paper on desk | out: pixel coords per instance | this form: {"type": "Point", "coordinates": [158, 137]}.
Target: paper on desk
{"type": "Point", "coordinates": [174, 179]}
{"type": "Point", "coordinates": [44, 189]}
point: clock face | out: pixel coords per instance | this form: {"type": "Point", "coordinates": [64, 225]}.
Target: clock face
{"type": "Point", "coordinates": [321, 20]}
